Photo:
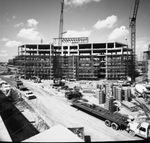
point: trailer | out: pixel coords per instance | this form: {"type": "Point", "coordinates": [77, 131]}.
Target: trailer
{"type": "Point", "coordinates": [115, 120]}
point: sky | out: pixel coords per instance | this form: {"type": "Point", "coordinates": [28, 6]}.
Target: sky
{"type": "Point", "coordinates": [29, 21]}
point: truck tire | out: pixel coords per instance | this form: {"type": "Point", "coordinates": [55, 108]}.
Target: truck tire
{"type": "Point", "coordinates": [114, 126]}
{"type": "Point", "coordinates": [132, 133]}
{"type": "Point", "coordinates": [107, 123]}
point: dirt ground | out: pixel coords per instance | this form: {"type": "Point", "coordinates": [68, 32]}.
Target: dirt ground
{"type": "Point", "coordinates": [54, 109]}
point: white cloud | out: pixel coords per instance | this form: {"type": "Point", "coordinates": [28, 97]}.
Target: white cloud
{"type": "Point", "coordinates": [118, 33]}
{"type": "Point", "coordinates": [74, 33]}
{"type": "Point", "coordinates": [3, 51]}
{"type": "Point", "coordinates": [76, 3]}
{"type": "Point", "coordinates": [3, 55]}
{"type": "Point", "coordinates": [14, 16]}
{"type": "Point", "coordinates": [4, 39]}
{"type": "Point", "coordinates": [13, 44]}
{"type": "Point", "coordinates": [19, 24]}
{"type": "Point", "coordinates": [29, 33]}
{"type": "Point", "coordinates": [141, 45]}
{"type": "Point", "coordinates": [107, 23]}
{"type": "Point", "coordinates": [32, 23]}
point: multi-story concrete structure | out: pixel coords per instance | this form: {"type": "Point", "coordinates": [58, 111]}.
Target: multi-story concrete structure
{"type": "Point", "coordinates": [35, 60]}
{"type": "Point", "coordinates": [82, 61]}
{"type": "Point", "coordinates": [96, 60]}
{"type": "Point", "coordinates": [141, 66]}
{"type": "Point", "coordinates": [146, 59]}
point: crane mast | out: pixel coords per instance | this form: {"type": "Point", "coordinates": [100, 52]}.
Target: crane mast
{"type": "Point", "coordinates": [133, 37]}
{"type": "Point", "coordinates": [61, 23]}
{"type": "Point", "coordinates": [57, 57]}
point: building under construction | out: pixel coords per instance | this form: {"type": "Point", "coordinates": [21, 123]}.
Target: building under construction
{"type": "Point", "coordinates": [35, 60]}
{"type": "Point", "coordinates": [80, 61]}
{"type": "Point", "coordinates": [146, 59]}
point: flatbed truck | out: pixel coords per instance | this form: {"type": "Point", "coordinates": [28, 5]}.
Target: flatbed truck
{"type": "Point", "coordinates": [115, 120]}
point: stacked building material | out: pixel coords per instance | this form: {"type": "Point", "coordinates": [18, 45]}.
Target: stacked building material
{"type": "Point", "coordinates": [129, 94]}
{"type": "Point", "coordinates": [109, 104]}
{"type": "Point", "coordinates": [106, 89]}
{"type": "Point", "coordinates": [125, 95]}
{"type": "Point", "coordinates": [114, 91]}
{"type": "Point", "coordinates": [119, 94]}
{"type": "Point", "coordinates": [98, 86]}
{"type": "Point", "coordinates": [102, 97]}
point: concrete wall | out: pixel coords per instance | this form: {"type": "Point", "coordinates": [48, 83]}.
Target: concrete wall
{"type": "Point", "coordinates": [148, 72]}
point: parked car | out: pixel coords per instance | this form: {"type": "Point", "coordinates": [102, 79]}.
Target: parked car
{"type": "Point", "coordinates": [30, 95]}
{"type": "Point", "coordinates": [6, 88]}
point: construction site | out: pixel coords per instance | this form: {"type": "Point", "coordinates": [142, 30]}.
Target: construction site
{"type": "Point", "coordinates": [73, 90]}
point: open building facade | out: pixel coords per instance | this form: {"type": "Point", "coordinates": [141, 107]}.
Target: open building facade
{"type": "Point", "coordinates": [81, 61]}
{"type": "Point", "coordinates": [146, 60]}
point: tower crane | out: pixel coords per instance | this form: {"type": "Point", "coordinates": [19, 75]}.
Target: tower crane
{"type": "Point", "coordinates": [61, 22]}
{"type": "Point", "coordinates": [132, 26]}
{"type": "Point", "coordinates": [57, 59]}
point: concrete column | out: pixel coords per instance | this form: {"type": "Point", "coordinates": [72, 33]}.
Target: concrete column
{"type": "Point", "coordinates": [50, 49]}
{"type": "Point", "coordinates": [68, 50]}
{"type": "Point", "coordinates": [148, 73]}
{"type": "Point", "coordinates": [106, 60]}
{"type": "Point", "coordinates": [37, 49]}
{"type": "Point", "coordinates": [91, 48]}
{"type": "Point", "coordinates": [78, 48]}
{"type": "Point", "coordinates": [61, 50]}
{"type": "Point", "coordinates": [114, 44]}
{"type": "Point", "coordinates": [25, 59]}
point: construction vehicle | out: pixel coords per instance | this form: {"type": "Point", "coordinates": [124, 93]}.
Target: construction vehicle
{"type": "Point", "coordinates": [73, 94]}
{"type": "Point", "coordinates": [36, 79]}
{"type": "Point", "coordinates": [141, 129]}
{"type": "Point", "coordinates": [58, 82]}
{"type": "Point", "coordinates": [115, 119]}
{"type": "Point", "coordinates": [143, 91]}
{"type": "Point", "coordinates": [18, 83]}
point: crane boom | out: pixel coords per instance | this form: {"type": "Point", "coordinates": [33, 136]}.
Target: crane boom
{"type": "Point", "coordinates": [133, 36]}
{"type": "Point", "coordinates": [133, 19]}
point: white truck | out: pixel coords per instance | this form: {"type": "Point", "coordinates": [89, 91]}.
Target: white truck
{"type": "Point", "coordinates": [115, 120]}
{"type": "Point", "coordinates": [141, 129]}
